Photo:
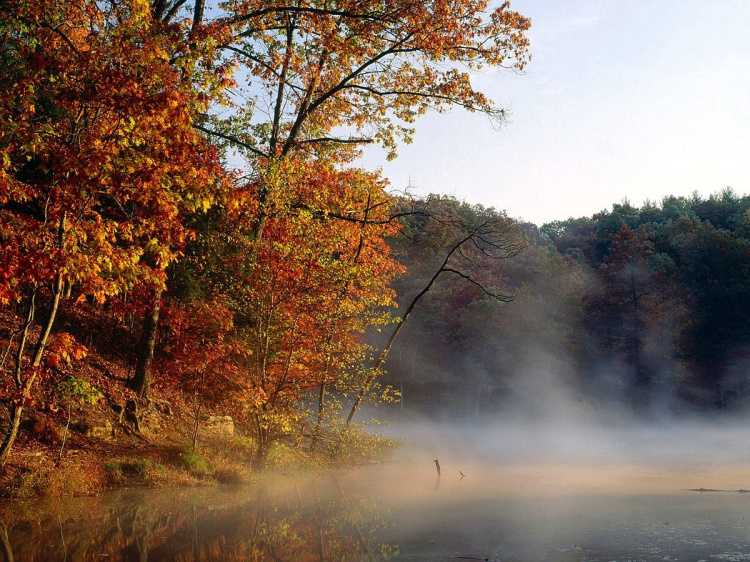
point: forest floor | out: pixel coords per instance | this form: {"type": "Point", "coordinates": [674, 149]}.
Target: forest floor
{"type": "Point", "coordinates": [103, 449]}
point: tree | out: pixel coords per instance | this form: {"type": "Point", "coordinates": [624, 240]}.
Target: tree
{"type": "Point", "coordinates": [320, 67]}
{"type": "Point", "coordinates": [359, 65]}
{"type": "Point", "coordinates": [200, 357]}
{"type": "Point", "coordinates": [303, 300]}
{"type": "Point", "coordinates": [475, 239]}
{"type": "Point", "coordinates": [99, 161]}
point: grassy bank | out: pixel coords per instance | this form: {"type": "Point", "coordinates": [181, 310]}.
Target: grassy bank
{"type": "Point", "coordinates": [37, 469]}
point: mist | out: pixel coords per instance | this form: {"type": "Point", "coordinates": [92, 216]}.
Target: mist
{"type": "Point", "coordinates": [597, 377]}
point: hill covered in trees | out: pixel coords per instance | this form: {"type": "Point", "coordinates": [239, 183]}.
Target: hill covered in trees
{"type": "Point", "coordinates": [642, 307]}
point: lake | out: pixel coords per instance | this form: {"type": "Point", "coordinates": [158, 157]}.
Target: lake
{"type": "Point", "coordinates": [593, 511]}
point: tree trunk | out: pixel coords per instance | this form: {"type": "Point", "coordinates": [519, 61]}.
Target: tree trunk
{"type": "Point", "coordinates": [7, 548]}
{"type": "Point", "coordinates": [319, 421]}
{"type": "Point", "coordinates": [65, 435]}
{"type": "Point", "coordinates": [386, 350]}
{"type": "Point", "coordinates": [56, 294]}
{"type": "Point", "coordinates": [142, 380]}
{"type": "Point", "coordinates": [16, 409]}
{"type": "Point", "coordinates": [401, 323]}
{"type": "Point", "coordinates": [11, 433]}
{"type": "Point", "coordinates": [196, 425]}
{"type": "Point", "coordinates": [261, 453]}
{"type": "Point", "coordinates": [41, 343]}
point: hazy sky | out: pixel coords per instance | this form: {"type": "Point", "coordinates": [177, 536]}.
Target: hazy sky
{"type": "Point", "coordinates": [632, 99]}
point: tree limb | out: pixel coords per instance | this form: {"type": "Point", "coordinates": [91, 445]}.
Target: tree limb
{"type": "Point", "coordinates": [231, 139]}
{"type": "Point", "coordinates": [496, 296]}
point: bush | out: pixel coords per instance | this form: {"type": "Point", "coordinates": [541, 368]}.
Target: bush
{"type": "Point", "coordinates": [144, 471]}
{"type": "Point", "coordinates": [79, 391]}
{"type": "Point", "coordinates": [232, 475]}
{"type": "Point", "coordinates": [195, 463]}
{"type": "Point", "coordinates": [356, 445]}
{"type": "Point", "coordinates": [67, 479]}
{"type": "Point", "coordinates": [242, 445]}
{"type": "Point", "coordinates": [283, 456]}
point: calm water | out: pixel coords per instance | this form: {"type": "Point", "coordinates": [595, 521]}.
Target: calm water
{"type": "Point", "coordinates": [399, 512]}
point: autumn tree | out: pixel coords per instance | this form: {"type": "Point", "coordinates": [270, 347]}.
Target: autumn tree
{"type": "Point", "coordinates": [361, 68]}
{"type": "Point", "coordinates": [200, 357]}
{"type": "Point", "coordinates": [303, 300]}
{"type": "Point", "coordinates": [323, 80]}
{"type": "Point", "coordinates": [107, 175]}
{"type": "Point", "coordinates": [99, 162]}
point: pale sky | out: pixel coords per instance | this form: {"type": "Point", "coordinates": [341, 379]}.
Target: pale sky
{"type": "Point", "coordinates": [622, 99]}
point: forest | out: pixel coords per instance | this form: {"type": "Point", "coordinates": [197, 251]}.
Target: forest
{"type": "Point", "coordinates": [641, 308]}
{"type": "Point", "coordinates": [189, 246]}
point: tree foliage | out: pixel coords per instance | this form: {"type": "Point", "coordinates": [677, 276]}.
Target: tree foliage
{"type": "Point", "coordinates": [184, 174]}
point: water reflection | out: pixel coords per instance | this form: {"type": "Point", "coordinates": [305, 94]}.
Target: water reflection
{"type": "Point", "coordinates": [502, 513]}
{"type": "Point", "coordinates": [299, 520]}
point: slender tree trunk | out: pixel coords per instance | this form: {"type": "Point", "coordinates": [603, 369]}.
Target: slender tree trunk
{"type": "Point", "coordinates": [321, 402]}
{"type": "Point", "coordinates": [41, 343]}
{"type": "Point", "coordinates": [10, 433]}
{"type": "Point", "coordinates": [321, 549]}
{"type": "Point", "coordinates": [401, 323]}
{"type": "Point", "coordinates": [24, 338]}
{"type": "Point", "coordinates": [142, 380]}
{"type": "Point", "coordinates": [197, 422]}
{"type": "Point", "coordinates": [56, 294]}
{"type": "Point", "coordinates": [7, 548]}
{"type": "Point", "coordinates": [15, 409]}
{"type": "Point", "coordinates": [387, 349]}
{"type": "Point", "coordinates": [261, 453]}
{"type": "Point", "coordinates": [374, 372]}
{"type": "Point", "coordinates": [319, 421]}
{"type": "Point", "coordinates": [65, 435]}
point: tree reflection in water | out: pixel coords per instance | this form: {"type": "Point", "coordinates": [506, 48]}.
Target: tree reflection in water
{"type": "Point", "coordinates": [292, 520]}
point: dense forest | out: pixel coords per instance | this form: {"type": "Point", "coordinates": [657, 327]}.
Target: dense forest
{"type": "Point", "coordinates": [645, 308]}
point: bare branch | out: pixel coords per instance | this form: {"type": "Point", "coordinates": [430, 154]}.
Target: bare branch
{"type": "Point", "coordinates": [353, 140]}
{"type": "Point", "coordinates": [264, 64]}
{"type": "Point", "coordinates": [232, 140]}
{"type": "Point", "coordinates": [305, 10]}
{"type": "Point", "coordinates": [496, 296]}
{"type": "Point", "coordinates": [173, 10]}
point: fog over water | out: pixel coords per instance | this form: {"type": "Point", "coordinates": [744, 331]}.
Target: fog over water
{"type": "Point", "coordinates": [509, 490]}
{"type": "Point", "coordinates": [566, 456]}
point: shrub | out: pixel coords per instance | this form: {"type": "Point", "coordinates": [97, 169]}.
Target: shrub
{"type": "Point", "coordinates": [356, 445]}
{"type": "Point", "coordinates": [79, 391]}
{"type": "Point", "coordinates": [232, 475]}
{"type": "Point", "coordinates": [144, 471]}
{"type": "Point", "coordinates": [195, 463]}
{"type": "Point", "coordinates": [67, 479]}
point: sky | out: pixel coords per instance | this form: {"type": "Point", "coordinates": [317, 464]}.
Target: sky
{"type": "Point", "coordinates": [623, 99]}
